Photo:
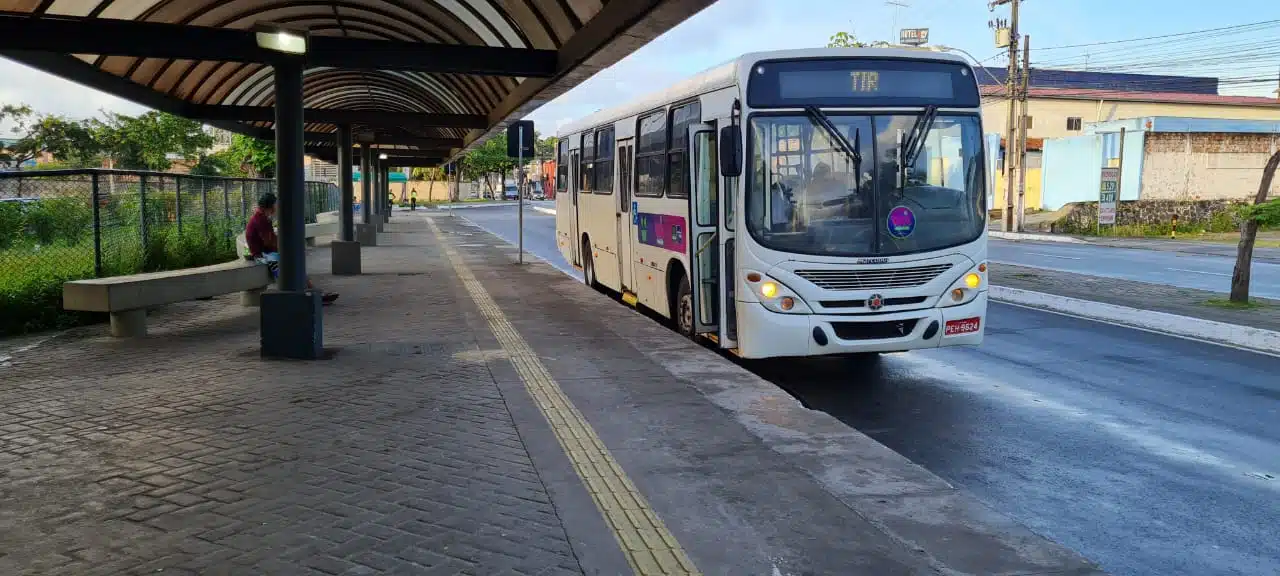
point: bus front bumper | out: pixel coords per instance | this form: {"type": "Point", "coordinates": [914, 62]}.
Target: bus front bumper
{"type": "Point", "coordinates": [766, 334]}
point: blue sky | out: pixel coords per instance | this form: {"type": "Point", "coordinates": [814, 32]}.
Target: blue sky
{"type": "Point", "coordinates": [732, 27]}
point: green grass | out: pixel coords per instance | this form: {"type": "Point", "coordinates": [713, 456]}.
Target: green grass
{"type": "Point", "coordinates": [1230, 305]}
{"type": "Point", "coordinates": [32, 274]}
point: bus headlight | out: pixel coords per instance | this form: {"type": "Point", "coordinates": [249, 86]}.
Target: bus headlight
{"type": "Point", "coordinates": [966, 287]}
{"type": "Point", "coordinates": [776, 296]}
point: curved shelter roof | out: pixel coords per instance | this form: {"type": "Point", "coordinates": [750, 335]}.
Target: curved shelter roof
{"type": "Point", "coordinates": [425, 75]}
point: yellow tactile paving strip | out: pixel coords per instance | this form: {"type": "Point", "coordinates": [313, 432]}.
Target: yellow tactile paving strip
{"type": "Point", "coordinates": [644, 539]}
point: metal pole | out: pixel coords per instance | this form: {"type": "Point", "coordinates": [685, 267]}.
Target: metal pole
{"type": "Point", "coordinates": [519, 192]}
{"type": "Point", "coordinates": [346, 204]}
{"type": "Point", "coordinates": [1023, 117]}
{"type": "Point", "coordinates": [204, 204]}
{"type": "Point", "coordinates": [289, 174]}
{"type": "Point", "coordinates": [177, 201]}
{"type": "Point", "coordinates": [97, 230]}
{"type": "Point", "coordinates": [142, 209]}
{"type": "Point", "coordinates": [1119, 179]}
{"type": "Point", "coordinates": [226, 214]}
{"type": "Point", "coordinates": [457, 193]}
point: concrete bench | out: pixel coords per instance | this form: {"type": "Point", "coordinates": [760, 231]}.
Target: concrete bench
{"type": "Point", "coordinates": [320, 229]}
{"type": "Point", "coordinates": [126, 298]}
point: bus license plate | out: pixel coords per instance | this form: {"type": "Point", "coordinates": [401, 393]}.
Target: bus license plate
{"type": "Point", "coordinates": [964, 326]}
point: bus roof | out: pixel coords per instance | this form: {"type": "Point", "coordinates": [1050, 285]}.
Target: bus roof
{"type": "Point", "coordinates": [726, 75]}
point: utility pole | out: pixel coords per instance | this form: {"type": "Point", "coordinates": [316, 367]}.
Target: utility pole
{"type": "Point", "coordinates": [1011, 156]}
{"type": "Point", "coordinates": [1024, 119]}
{"type": "Point", "coordinates": [898, 5]}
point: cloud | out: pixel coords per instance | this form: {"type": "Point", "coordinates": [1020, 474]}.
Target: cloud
{"type": "Point", "coordinates": [52, 95]}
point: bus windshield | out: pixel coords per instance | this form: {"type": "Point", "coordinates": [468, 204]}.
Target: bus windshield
{"type": "Point", "coordinates": [807, 195]}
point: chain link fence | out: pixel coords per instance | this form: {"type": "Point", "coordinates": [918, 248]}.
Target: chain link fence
{"type": "Point", "coordinates": [62, 225]}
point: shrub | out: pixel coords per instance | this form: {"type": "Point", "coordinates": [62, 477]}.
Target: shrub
{"type": "Point", "coordinates": [12, 223]}
{"type": "Point", "coordinates": [31, 287]}
{"type": "Point", "coordinates": [59, 220]}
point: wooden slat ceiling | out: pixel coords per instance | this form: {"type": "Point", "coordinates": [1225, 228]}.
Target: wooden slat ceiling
{"type": "Point", "coordinates": [586, 35]}
{"type": "Point", "coordinates": [540, 24]}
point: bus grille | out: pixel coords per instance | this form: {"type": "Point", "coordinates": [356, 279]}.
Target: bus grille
{"type": "Point", "coordinates": [873, 278]}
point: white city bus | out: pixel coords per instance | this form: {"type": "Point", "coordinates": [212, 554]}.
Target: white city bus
{"type": "Point", "coordinates": [790, 203]}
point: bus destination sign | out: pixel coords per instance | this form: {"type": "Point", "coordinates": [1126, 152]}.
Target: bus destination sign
{"type": "Point", "coordinates": [865, 80]}
{"type": "Point", "coordinates": [861, 82]}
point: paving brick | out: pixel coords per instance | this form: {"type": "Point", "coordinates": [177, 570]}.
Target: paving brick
{"type": "Point", "coordinates": [184, 451]}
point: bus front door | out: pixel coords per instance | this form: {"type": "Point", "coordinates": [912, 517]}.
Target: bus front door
{"type": "Point", "coordinates": [705, 245]}
{"type": "Point", "coordinates": [624, 213]}
{"type": "Point", "coordinates": [575, 233]}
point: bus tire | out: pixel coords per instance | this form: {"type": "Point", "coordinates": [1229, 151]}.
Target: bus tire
{"type": "Point", "coordinates": [588, 266]}
{"type": "Point", "coordinates": [683, 309]}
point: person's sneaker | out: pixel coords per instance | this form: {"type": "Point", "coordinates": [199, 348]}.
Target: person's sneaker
{"type": "Point", "coordinates": [328, 297]}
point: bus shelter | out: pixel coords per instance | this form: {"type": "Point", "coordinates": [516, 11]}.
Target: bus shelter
{"type": "Point", "coordinates": [396, 83]}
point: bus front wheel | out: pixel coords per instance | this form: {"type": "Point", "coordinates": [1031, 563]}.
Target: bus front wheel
{"type": "Point", "coordinates": [684, 308]}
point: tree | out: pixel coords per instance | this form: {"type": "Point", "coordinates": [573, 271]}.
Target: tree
{"type": "Point", "coordinates": [545, 148]}
{"type": "Point", "coordinates": [431, 175]}
{"type": "Point", "coordinates": [845, 40]}
{"type": "Point", "coordinates": [71, 142]}
{"type": "Point", "coordinates": [487, 160]}
{"type": "Point", "coordinates": [255, 157]}
{"type": "Point", "coordinates": [145, 142]}
{"type": "Point", "coordinates": [222, 163]}
{"type": "Point", "coordinates": [1261, 213]}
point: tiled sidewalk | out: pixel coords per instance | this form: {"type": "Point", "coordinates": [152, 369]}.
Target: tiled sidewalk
{"type": "Point", "coordinates": [473, 417]}
{"type": "Point", "coordinates": [186, 452]}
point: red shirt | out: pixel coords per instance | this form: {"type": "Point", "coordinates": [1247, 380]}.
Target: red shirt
{"type": "Point", "coordinates": [259, 234]}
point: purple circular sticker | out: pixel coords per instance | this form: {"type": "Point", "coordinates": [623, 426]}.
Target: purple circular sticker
{"type": "Point", "coordinates": [901, 222]}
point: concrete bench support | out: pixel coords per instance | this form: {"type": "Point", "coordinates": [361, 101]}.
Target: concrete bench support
{"type": "Point", "coordinates": [367, 234]}
{"type": "Point", "coordinates": [127, 298]}
{"type": "Point", "coordinates": [251, 298]}
{"type": "Point", "coordinates": [129, 323]}
{"type": "Point", "coordinates": [345, 257]}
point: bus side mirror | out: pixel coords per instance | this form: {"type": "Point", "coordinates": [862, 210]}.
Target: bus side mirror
{"type": "Point", "coordinates": [731, 151]}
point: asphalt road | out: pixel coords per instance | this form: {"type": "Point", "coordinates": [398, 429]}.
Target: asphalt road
{"type": "Point", "coordinates": [1148, 454]}
{"type": "Point", "coordinates": [1200, 271]}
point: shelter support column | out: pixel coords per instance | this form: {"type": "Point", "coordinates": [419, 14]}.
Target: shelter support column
{"type": "Point", "coordinates": [290, 316]}
{"type": "Point", "coordinates": [367, 231]}
{"type": "Point", "coordinates": [345, 255]}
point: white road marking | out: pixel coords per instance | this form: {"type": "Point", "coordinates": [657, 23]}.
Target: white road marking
{"type": "Point", "coordinates": [1199, 272]}
{"type": "Point", "coordinates": [1054, 256]}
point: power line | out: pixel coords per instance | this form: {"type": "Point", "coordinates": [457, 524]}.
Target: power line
{"type": "Point", "coordinates": [1177, 35]}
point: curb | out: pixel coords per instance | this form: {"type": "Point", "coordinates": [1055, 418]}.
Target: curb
{"type": "Point", "coordinates": [1246, 337]}
{"type": "Point", "coordinates": [1235, 335]}
{"type": "Point", "coordinates": [474, 205]}
{"type": "Point", "coordinates": [1034, 237]}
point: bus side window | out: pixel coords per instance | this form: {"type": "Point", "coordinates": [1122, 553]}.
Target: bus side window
{"type": "Point", "coordinates": [624, 177]}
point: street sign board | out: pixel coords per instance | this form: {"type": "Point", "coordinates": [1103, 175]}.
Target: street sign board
{"type": "Point", "coordinates": [914, 36]}
{"type": "Point", "coordinates": [1108, 196]}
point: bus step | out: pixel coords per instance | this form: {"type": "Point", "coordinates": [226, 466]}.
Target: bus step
{"type": "Point", "coordinates": [629, 298]}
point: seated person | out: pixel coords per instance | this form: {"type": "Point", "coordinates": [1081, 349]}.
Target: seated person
{"type": "Point", "coordinates": [260, 237]}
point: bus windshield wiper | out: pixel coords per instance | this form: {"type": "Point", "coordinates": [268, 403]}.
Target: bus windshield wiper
{"type": "Point", "coordinates": [919, 131]}
{"type": "Point", "coordinates": [836, 135]}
